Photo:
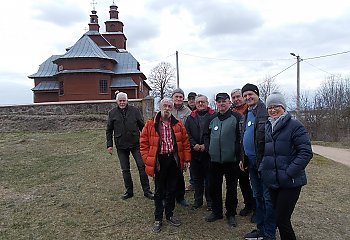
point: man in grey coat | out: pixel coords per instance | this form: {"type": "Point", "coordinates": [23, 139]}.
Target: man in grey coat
{"type": "Point", "coordinates": [125, 122]}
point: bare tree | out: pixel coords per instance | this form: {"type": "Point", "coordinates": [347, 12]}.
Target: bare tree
{"type": "Point", "coordinates": [162, 80]}
{"type": "Point", "coordinates": [327, 114]}
{"type": "Point", "coordinates": [267, 86]}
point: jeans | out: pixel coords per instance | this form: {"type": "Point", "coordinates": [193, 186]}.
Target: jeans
{"type": "Point", "coordinates": [166, 180]}
{"type": "Point", "coordinates": [123, 155]}
{"type": "Point", "coordinates": [284, 201]}
{"type": "Point", "coordinates": [265, 215]}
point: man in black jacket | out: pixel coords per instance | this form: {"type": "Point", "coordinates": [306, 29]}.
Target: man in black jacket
{"type": "Point", "coordinates": [196, 124]}
{"type": "Point", "coordinates": [126, 122]}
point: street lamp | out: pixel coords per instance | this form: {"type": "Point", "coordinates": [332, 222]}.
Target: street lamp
{"type": "Point", "coordinates": [298, 83]}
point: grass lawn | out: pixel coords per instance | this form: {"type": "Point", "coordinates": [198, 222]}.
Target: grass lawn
{"type": "Point", "coordinates": [64, 185]}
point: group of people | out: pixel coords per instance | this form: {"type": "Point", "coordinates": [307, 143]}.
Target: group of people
{"type": "Point", "coordinates": [259, 146]}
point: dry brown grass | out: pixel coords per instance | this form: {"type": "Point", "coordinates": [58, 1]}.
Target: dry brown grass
{"type": "Point", "coordinates": [63, 185]}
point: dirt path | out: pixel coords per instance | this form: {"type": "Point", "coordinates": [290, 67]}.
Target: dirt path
{"type": "Point", "coordinates": [336, 154]}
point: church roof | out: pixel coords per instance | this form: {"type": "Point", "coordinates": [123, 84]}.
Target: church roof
{"type": "Point", "coordinates": [126, 62]}
{"type": "Point", "coordinates": [47, 68]}
{"type": "Point", "coordinates": [85, 48]}
{"type": "Point", "coordinates": [123, 82]}
{"type": "Point", "coordinates": [46, 86]}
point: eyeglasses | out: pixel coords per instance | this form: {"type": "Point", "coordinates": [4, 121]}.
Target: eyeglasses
{"type": "Point", "coordinates": [274, 107]}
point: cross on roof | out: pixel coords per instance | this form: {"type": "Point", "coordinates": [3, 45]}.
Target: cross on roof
{"type": "Point", "coordinates": [93, 4]}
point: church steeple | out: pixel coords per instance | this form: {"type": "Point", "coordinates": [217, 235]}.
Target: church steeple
{"type": "Point", "coordinates": [93, 25]}
{"type": "Point", "coordinates": [114, 28]}
{"type": "Point", "coordinates": [113, 12]}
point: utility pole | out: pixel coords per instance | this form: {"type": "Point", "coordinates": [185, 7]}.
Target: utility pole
{"type": "Point", "coordinates": [298, 83]}
{"type": "Point", "coordinates": [177, 70]}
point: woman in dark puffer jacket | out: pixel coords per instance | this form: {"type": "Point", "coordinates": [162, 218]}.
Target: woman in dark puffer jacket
{"type": "Point", "coordinates": [287, 153]}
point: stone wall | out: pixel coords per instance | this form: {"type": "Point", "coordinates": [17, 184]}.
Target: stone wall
{"type": "Point", "coordinates": [64, 115]}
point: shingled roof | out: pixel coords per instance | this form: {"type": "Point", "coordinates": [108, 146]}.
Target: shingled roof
{"type": "Point", "coordinates": [85, 48]}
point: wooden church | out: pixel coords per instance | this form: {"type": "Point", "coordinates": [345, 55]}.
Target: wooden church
{"type": "Point", "coordinates": [94, 68]}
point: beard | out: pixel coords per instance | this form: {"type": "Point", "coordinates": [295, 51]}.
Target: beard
{"type": "Point", "coordinates": [165, 114]}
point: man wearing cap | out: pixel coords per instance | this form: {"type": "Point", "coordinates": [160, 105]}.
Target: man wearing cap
{"type": "Point", "coordinates": [191, 104]}
{"type": "Point", "coordinates": [223, 144]}
{"type": "Point", "coordinates": [253, 144]}
{"type": "Point", "coordinates": [125, 123]}
{"type": "Point", "coordinates": [181, 112]}
{"type": "Point", "coordinates": [240, 106]}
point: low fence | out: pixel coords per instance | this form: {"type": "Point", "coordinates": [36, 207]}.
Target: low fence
{"type": "Point", "coordinates": [65, 115]}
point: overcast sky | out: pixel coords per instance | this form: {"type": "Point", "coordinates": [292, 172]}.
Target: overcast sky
{"type": "Point", "coordinates": [222, 44]}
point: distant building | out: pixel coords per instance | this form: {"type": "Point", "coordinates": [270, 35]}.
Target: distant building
{"type": "Point", "coordinates": [94, 68]}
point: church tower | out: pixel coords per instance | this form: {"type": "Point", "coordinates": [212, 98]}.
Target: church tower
{"type": "Point", "coordinates": [114, 29]}
{"type": "Point", "coordinates": [93, 25]}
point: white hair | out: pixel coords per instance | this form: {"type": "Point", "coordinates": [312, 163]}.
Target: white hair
{"type": "Point", "coordinates": [120, 95]}
{"type": "Point", "coordinates": [201, 95]}
{"type": "Point", "coordinates": [236, 90]}
{"type": "Point", "coordinates": [166, 99]}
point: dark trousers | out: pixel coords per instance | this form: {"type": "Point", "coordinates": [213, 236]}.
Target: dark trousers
{"type": "Point", "coordinates": [244, 185]}
{"type": "Point", "coordinates": [165, 186]}
{"type": "Point", "coordinates": [284, 201]}
{"type": "Point", "coordinates": [200, 171]}
{"type": "Point", "coordinates": [180, 187]}
{"type": "Point", "coordinates": [123, 155]}
{"type": "Point", "coordinates": [230, 171]}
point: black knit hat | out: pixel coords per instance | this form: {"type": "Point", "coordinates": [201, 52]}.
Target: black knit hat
{"type": "Point", "coordinates": [250, 87]}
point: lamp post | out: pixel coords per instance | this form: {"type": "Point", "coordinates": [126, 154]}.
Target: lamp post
{"type": "Point", "coordinates": [177, 70]}
{"type": "Point", "coordinates": [298, 83]}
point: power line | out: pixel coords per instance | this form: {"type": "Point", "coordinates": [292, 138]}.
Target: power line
{"type": "Point", "coordinates": [328, 55]}
{"type": "Point", "coordinates": [236, 60]}
{"type": "Point", "coordinates": [158, 60]}
{"type": "Point", "coordinates": [283, 71]}
{"type": "Point", "coordinates": [319, 68]}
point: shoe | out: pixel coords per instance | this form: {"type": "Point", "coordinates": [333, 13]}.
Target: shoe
{"type": "Point", "coordinates": [253, 217]}
{"type": "Point", "coordinates": [157, 226]}
{"type": "Point", "coordinates": [245, 211]}
{"type": "Point", "coordinates": [231, 220]}
{"type": "Point", "coordinates": [189, 188]}
{"type": "Point", "coordinates": [213, 217]}
{"type": "Point", "coordinates": [127, 195]}
{"type": "Point", "coordinates": [149, 195]}
{"type": "Point", "coordinates": [173, 221]}
{"type": "Point", "coordinates": [183, 203]}
{"type": "Point", "coordinates": [254, 235]}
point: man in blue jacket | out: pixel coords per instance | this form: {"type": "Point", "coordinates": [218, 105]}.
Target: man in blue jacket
{"type": "Point", "coordinates": [224, 150]}
{"type": "Point", "coordinates": [253, 143]}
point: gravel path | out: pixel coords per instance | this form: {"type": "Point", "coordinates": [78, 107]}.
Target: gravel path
{"type": "Point", "coordinates": [336, 154]}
